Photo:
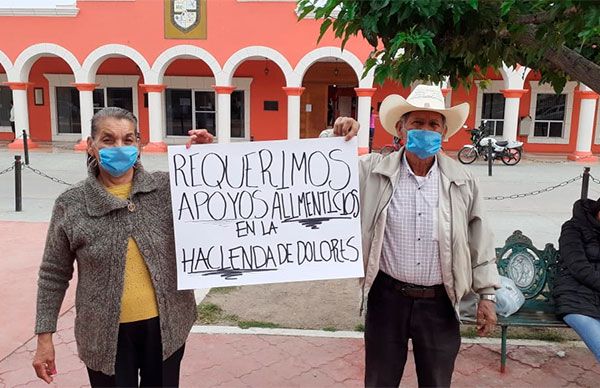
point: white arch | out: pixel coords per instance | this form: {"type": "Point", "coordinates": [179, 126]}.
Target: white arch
{"type": "Point", "coordinates": [255, 52]}
{"type": "Point", "coordinates": [95, 58]}
{"type": "Point", "coordinates": [333, 52]}
{"type": "Point", "coordinates": [23, 63]}
{"type": "Point", "coordinates": [5, 62]}
{"type": "Point", "coordinates": [177, 52]}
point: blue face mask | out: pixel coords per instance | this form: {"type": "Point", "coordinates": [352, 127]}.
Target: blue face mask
{"type": "Point", "coordinates": [118, 160]}
{"type": "Point", "coordinates": [424, 144]}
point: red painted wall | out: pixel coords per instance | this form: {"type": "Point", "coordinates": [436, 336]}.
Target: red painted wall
{"type": "Point", "coordinates": [265, 125]}
{"type": "Point", "coordinates": [139, 24]}
{"type": "Point", "coordinates": [39, 116]}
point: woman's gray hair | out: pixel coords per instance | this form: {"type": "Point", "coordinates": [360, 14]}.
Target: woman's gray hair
{"type": "Point", "coordinates": [113, 112]}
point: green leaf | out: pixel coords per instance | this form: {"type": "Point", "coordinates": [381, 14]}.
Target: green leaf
{"type": "Point", "coordinates": [506, 7]}
{"type": "Point", "coordinates": [324, 28]}
{"type": "Point", "coordinates": [305, 8]}
{"type": "Point", "coordinates": [474, 4]}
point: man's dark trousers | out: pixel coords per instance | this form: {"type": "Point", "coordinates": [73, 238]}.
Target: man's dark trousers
{"type": "Point", "coordinates": [392, 318]}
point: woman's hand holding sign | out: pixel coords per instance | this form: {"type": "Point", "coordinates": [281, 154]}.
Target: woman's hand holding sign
{"type": "Point", "coordinates": [199, 136]}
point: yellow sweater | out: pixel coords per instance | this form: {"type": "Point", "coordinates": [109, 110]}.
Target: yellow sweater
{"type": "Point", "coordinates": [138, 301]}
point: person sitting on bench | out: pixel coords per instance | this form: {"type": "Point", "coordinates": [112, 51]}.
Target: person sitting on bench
{"type": "Point", "coordinates": [577, 286]}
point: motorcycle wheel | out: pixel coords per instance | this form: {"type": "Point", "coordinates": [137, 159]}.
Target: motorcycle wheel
{"type": "Point", "coordinates": [467, 155]}
{"type": "Point", "coordinates": [511, 157]}
{"type": "Point", "coordinates": [387, 150]}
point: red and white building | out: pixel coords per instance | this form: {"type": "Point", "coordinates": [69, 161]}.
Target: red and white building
{"type": "Point", "coordinates": [258, 75]}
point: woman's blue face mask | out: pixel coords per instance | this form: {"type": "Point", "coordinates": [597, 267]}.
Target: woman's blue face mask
{"type": "Point", "coordinates": [423, 143]}
{"type": "Point", "coordinates": [118, 160]}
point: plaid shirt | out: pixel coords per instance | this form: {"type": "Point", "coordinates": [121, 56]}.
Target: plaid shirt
{"type": "Point", "coordinates": [410, 244]}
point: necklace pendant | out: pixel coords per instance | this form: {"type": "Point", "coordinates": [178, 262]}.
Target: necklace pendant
{"type": "Point", "coordinates": [130, 206]}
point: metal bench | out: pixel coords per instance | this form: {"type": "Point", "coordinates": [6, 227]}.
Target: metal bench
{"type": "Point", "coordinates": [533, 271]}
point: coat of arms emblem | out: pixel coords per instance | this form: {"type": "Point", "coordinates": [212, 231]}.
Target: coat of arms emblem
{"type": "Point", "coordinates": [185, 14]}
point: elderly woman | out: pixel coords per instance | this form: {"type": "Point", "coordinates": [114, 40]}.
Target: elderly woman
{"type": "Point", "coordinates": [577, 286]}
{"type": "Point", "coordinates": [131, 321]}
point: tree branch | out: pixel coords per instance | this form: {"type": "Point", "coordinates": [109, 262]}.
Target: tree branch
{"type": "Point", "coordinates": [569, 61]}
{"type": "Point", "coordinates": [536, 18]}
{"type": "Point", "coordinates": [544, 16]}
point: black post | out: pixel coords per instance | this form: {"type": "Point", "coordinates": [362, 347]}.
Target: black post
{"type": "Point", "coordinates": [26, 147]}
{"type": "Point", "coordinates": [585, 183]}
{"type": "Point", "coordinates": [18, 188]}
{"type": "Point", "coordinates": [489, 157]}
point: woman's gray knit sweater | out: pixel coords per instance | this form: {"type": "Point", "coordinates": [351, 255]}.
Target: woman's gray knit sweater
{"type": "Point", "coordinates": [91, 226]}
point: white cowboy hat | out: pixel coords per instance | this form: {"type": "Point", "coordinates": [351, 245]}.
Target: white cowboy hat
{"type": "Point", "coordinates": [423, 97]}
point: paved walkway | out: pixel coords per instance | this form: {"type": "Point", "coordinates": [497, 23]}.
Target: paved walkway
{"type": "Point", "coordinates": [249, 360]}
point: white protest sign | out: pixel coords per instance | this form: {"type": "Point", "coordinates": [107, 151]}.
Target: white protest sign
{"type": "Point", "coordinates": [265, 212]}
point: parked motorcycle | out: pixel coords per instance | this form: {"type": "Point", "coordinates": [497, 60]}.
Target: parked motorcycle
{"type": "Point", "coordinates": [508, 151]}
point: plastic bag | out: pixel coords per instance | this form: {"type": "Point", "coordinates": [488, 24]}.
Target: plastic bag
{"type": "Point", "coordinates": [509, 298]}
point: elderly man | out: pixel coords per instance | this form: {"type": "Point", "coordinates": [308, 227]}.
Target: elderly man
{"type": "Point", "coordinates": [425, 242]}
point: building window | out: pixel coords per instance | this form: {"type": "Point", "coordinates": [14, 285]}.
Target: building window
{"type": "Point", "coordinates": [549, 115]}
{"type": "Point", "coordinates": [119, 97]}
{"type": "Point", "coordinates": [204, 111]}
{"type": "Point", "coordinates": [237, 114]}
{"type": "Point", "coordinates": [179, 112]}
{"type": "Point", "coordinates": [5, 104]}
{"type": "Point", "coordinates": [181, 117]}
{"type": "Point", "coordinates": [67, 110]}
{"type": "Point", "coordinates": [492, 110]}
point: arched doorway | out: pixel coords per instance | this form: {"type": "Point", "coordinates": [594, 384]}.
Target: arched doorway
{"type": "Point", "coordinates": [329, 93]}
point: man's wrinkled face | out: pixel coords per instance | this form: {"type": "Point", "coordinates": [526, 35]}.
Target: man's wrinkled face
{"type": "Point", "coordinates": [423, 120]}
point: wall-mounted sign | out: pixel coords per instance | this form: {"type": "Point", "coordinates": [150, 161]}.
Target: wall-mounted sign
{"type": "Point", "coordinates": [271, 105]}
{"type": "Point", "coordinates": [185, 19]}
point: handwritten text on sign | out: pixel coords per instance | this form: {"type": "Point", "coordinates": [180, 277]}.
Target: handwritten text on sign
{"type": "Point", "coordinates": [265, 212]}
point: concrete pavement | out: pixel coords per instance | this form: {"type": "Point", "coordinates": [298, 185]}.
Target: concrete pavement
{"type": "Point", "coordinates": [254, 360]}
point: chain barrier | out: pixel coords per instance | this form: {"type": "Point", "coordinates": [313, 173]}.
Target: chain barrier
{"type": "Point", "coordinates": [491, 198]}
{"type": "Point", "coordinates": [595, 180]}
{"type": "Point", "coordinates": [536, 192]}
{"type": "Point", "coordinates": [9, 169]}
{"type": "Point", "coordinates": [42, 174]}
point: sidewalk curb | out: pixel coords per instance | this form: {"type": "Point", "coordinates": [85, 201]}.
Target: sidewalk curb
{"type": "Point", "coordinates": [206, 329]}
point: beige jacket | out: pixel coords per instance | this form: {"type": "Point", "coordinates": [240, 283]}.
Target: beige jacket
{"type": "Point", "coordinates": [465, 241]}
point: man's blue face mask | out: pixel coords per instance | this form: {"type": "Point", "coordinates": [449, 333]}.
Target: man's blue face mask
{"type": "Point", "coordinates": [118, 160]}
{"type": "Point", "coordinates": [424, 143]}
